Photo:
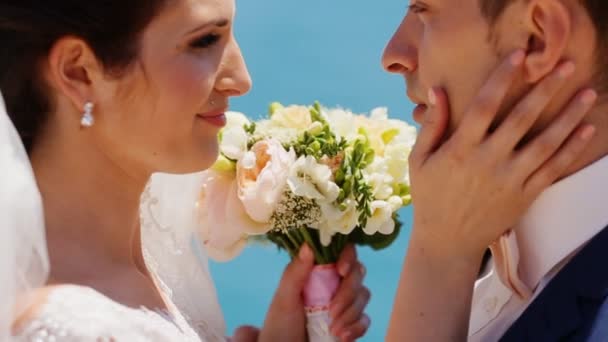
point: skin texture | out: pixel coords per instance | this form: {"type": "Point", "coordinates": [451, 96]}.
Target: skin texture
{"type": "Point", "coordinates": [150, 118]}
{"type": "Point", "coordinates": [513, 124]}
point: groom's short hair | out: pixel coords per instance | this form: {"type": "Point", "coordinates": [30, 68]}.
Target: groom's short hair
{"type": "Point", "coordinates": [598, 12]}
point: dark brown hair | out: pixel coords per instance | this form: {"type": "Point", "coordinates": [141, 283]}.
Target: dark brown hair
{"type": "Point", "coordinates": [29, 29]}
{"type": "Point", "coordinates": [598, 12]}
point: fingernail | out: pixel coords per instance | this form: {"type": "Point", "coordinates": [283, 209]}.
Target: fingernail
{"type": "Point", "coordinates": [305, 252]}
{"type": "Point", "coordinates": [432, 97]}
{"type": "Point", "coordinates": [346, 336]}
{"type": "Point", "coordinates": [566, 69]}
{"type": "Point", "coordinates": [589, 97]}
{"type": "Point", "coordinates": [517, 58]}
{"type": "Point", "coordinates": [587, 132]}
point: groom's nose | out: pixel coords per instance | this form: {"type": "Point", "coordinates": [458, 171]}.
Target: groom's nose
{"type": "Point", "coordinates": [401, 53]}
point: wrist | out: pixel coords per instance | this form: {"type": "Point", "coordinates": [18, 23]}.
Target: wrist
{"type": "Point", "coordinates": [445, 254]}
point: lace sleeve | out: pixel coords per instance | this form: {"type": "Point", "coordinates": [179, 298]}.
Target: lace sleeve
{"type": "Point", "coordinates": [80, 314]}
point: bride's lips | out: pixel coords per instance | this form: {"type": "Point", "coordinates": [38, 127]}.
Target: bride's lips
{"type": "Point", "coordinates": [217, 119]}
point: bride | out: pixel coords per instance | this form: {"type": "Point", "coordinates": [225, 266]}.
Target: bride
{"type": "Point", "coordinates": [102, 99]}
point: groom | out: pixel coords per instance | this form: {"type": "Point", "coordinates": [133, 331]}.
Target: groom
{"type": "Point", "coordinates": [561, 248]}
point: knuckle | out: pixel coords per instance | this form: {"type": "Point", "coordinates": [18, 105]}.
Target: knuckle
{"type": "Point", "coordinates": [367, 294]}
{"type": "Point", "coordinates": [520, 118]}
{"type": "Point", "coordinates": [484, 105]}
{"type": "Point", "coordinates": [544, 146]}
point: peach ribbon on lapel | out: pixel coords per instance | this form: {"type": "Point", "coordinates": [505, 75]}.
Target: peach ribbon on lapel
{"type": "Point", "coordinates": [505, 255]}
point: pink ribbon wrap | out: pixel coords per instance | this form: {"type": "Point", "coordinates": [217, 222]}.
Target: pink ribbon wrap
{"type": "Point", "coordinates": [321, 287]}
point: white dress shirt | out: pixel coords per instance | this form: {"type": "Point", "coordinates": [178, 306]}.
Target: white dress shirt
{"type": "Point", "coordinates": [560, 222]}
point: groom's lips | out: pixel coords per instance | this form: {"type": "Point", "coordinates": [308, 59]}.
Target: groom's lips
{"type": "Point", "coordinates": [419, 111]}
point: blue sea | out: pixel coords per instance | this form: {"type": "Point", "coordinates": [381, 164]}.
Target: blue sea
{"type": "Point", "coordinates": [298, 52]}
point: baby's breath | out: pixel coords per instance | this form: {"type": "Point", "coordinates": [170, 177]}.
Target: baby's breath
{"type": "Point", "coordinates": [295, 212]}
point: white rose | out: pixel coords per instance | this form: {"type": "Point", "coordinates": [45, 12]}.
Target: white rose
{"type": "Point", "coordinates": [312, 180]}
{"type": "Point", "coordinates": [341, 122]}
{"type": "Point", "coordinates": [270, 129]}
{"type": "Point", "coordinates": [262, 177]}
{"type": "Point", "coordinates": [397, 160]}
{"type": "Point", "coordinates": [381, 220]}
{"type": "Point", "coordinates": [297, 117]}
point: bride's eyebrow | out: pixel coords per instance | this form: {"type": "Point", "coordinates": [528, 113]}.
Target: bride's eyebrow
{"type": "Point", "coordinates": [216, 23]}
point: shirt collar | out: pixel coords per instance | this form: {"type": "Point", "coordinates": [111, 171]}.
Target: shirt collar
{"type": "Point", "coordinates": [561, 220]}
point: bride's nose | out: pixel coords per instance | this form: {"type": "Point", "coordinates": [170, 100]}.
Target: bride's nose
{"type": "Point", "coordinates": [234, 78]}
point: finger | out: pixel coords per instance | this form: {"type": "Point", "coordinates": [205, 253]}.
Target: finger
{"type": "Point", "coordinates": [347, 259]}
{"type": "Point", "coordinates": [352, 313]}
{"type": "Point", "coordinates": [433, 127]}
{"type": "Point", "coordinates": [347, 292]}
{"type": "Point", "coordinates": [296, 274]}
{"type": "Point", "coordinates": [555, 167]}
{"type": "Point", "coordinates": [482, 112]}
{"type": "Point", "coordinates": [525, 113]}
{"type": "Point", "coordinates": [356, 330]}
{"type": "Point", "coordinates": [539, 150]}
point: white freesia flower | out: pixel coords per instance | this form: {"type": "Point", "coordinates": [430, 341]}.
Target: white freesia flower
{"type": "Point", "coordinates": [296, 117]}
{"type": "Point", "coordinates": [262, 177]}
{"type": "Point", "coordinates": [338, 221]}
{"type": "Point", "coordinates": [234, 142]}
{"type": "Point", "coordinates": [395, 202]}
{"type": "Point", "coordinates": [312, 180]}
{"type": "Point", "coordinates": [236, 119]}
{"type": "Point", "coordinates": [380, 180]}
{"type": "Point", "coordinates": [381, 220]}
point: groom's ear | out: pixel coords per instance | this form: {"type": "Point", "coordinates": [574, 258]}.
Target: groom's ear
{"type": "Point", "coordinates": [548, 23]}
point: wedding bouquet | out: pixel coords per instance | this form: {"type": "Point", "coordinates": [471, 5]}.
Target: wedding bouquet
{"type": "Point", "coordinates": [307, 174]}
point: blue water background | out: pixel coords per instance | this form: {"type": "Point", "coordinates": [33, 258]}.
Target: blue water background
{"type": "Point", "coordinates": [298, 52]}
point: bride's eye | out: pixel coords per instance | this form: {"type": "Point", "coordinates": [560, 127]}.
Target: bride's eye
{"type": "Point", "coordinates": [205, 41]}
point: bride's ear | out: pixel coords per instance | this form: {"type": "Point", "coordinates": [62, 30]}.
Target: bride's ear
{"type": "Point", "coordinates": [548, 23]}
{"type": "Point", "coordinates": [72, 69]}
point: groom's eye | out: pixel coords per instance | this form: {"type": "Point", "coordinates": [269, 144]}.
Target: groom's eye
{"type": "Point", "coordinates": [416, 8]}
{"type": "Point", "coordinates": [205, 41]}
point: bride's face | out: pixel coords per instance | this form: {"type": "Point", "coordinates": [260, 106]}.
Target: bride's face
{"type": "Point", "coordinates": [165, 113]}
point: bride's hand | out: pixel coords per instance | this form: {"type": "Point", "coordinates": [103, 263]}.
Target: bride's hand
{"type": "Point", "coordinates": [286, 320]}
{"type": "Point", "coordinates": [472, 188]}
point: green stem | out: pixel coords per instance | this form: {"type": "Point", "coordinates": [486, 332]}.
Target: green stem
{"type": "Point", "coordinates": [319, 252]}
{"type": "Point", "coordinates": [287, 246]}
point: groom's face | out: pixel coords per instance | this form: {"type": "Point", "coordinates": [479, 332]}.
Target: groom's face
{"type": "Point", "coordinates": [453, 45]}
{"type": "Point", "coordinates": [445, 43]}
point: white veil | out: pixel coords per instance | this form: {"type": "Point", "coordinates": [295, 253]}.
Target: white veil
{"type": "Point", "coordinates": [24, 261]}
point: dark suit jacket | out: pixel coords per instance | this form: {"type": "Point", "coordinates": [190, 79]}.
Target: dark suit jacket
{"type": "Point", "coordinates": [574, 305]}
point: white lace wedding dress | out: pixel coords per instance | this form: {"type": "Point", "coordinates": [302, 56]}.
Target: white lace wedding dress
{"type": "Point", "coordinates": [179, 267]}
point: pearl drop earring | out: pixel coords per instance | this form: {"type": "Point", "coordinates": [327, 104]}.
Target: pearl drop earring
{"type": "Point", "coordinates": [87, 116]}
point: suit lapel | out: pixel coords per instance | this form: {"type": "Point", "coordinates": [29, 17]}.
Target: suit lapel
{"type": "Point", "coordinates": [570, 300]}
